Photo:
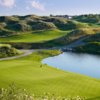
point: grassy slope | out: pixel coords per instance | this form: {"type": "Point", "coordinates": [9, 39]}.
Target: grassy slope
{"type": "Point", "coordinates": [91, 47]}
{"type": "Point", "coordinates": [35, 37]}
{"type": "Point", "coordinates": [27, 73]}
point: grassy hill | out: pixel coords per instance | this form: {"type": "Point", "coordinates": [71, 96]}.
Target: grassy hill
{"type": "Point", "coordinates": [37, 78]}
{"type": "Point", "coordinates": [12, 25]}
{"type": "Point", "coordinates": [49, 30]}
{"type": "Point", "coordinates": [32, 28]}
{"type": "Point", "coordinates": [92, 20]}
{"type": "Point", "coordinates": [65, 24]}
{"type": "Point", "coordinates": [92, 42]}
{"type": "Point", "coordinates": [50, 38]}
{"type": "Point", "coordinates": [74, 35]}
{"type": "Point", "coordinates": [8, 51]}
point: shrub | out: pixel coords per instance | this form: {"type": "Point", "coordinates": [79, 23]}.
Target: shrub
{"type": "Point", "coordinates": [19, 27]}
{"type": "Point", "coordinates": [14, 93]}
{"type": "Point", "coordinates": [43, 25]}
{"type": "Point", "coordinates": [8, 51]}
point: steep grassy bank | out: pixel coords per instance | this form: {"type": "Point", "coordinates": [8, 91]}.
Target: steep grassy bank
{"type": "Point", "coordinates": [92, 48]}
{"type": "Point", "coordinates": [37, 78]}
{"type": "Point", "coordinates": [92, 45]}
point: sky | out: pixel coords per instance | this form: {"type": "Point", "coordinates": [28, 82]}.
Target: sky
{"type": "Point", "coordinates": [47, 7]}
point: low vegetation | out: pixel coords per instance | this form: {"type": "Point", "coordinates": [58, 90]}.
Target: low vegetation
{"type": "Point", "coordinates": [15, 93]}
{"type": "Point", "coordinates": [92, 48]}
{"type": "Point", "coordinates": [90, 18]}
{"type": "Point", "coordinates": [8, 51]}
{"type": "Point", "coordinates": [12, 25]}
{"type": "Point", "coordinates": [93, 38]}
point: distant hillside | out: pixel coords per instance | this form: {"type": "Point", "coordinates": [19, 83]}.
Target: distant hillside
{"type": "Point", "coordinates": [65, 24]}
{"type": "Point", "coordinates": [8, 51]}
{"type": "Point", "coordinates": [49, 31]}
{"type": "Point", "coordinates": [91, 18]}
{"type": "Point", "coordinates": [12, 25]}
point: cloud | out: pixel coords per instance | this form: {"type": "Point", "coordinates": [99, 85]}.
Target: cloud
{"type": "Point", "coordinates": [7, 3]}
{"type": "Point", "coordinates": [37, 5]}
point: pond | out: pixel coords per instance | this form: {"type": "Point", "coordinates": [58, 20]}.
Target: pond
{"type": "Point", "coordinates": [85, 64]}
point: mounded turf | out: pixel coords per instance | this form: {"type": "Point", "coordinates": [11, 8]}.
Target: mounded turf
{"type": "Point", "coordinates": [38, 36]}
{"type": "Point", "coordinates": [29, 73]}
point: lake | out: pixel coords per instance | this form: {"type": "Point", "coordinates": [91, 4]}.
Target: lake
{"type": "Point", "coordinates": [85, 64]}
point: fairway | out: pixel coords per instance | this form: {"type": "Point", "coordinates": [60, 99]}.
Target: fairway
{"type": "Point", "coordinates": [29, 73]}
{"type": "Point", "coordinates": [38, 36]}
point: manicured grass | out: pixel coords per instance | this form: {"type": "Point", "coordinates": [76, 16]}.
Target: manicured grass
{"type": "Point", "coordinates": [29, 73]}
{"type": "Point", "coordinates": [39, 36]}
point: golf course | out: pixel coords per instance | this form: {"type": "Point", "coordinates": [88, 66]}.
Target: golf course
{"type": "Point", "coordinates": [29, 73]}
{"type": "Point", "coordinates": [54, 35]}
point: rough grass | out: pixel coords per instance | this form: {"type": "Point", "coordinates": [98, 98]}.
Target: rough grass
{"type": "Point", "coordinates": [91, 47]}
{"type": "Point", "coordinates": [7, 50]}
{"type": "Point", "coordinates": [38, 36]}
{"type": "Point", "coordinates": [15, 93]}
{"type": "Point", "coordinates": [37, 78]}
